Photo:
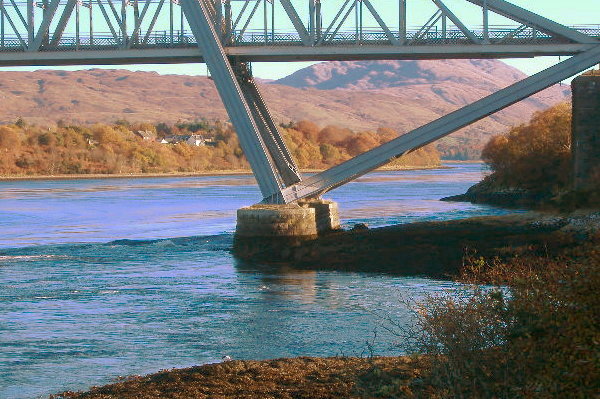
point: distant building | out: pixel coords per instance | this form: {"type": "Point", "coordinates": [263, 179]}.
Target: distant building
{"type": "Point", "coordinates": [146, 135]}
{"type": "Point", "coordinates": [174, 139]}
{"type": "Point", "coordinates": [196, 140]}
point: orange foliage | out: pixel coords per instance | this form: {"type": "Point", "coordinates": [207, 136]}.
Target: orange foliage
{"type": "Point", "coordinates": [33, 150]}
{"type": "Point", "coordinates": [534, 156]}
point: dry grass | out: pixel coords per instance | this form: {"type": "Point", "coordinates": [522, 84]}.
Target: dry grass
{"type": "Point", "coordinates": [298, 378]}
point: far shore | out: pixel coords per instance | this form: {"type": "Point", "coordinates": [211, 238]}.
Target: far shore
{"type": "Point", "coordinates": [230, 172]}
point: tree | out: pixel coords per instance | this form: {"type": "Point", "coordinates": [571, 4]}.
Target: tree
{"type": "Point", "coordinates": [310, 130]}
{"type": "Point", "coordinates": [20, 123]}
{"type": "Point", "coordinates": [536, 155]}
{"type": "Point", "coordinates": [9, 138]}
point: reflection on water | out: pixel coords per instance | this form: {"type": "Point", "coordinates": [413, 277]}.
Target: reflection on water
{"type": "Point", "coordinates": [101, 278]}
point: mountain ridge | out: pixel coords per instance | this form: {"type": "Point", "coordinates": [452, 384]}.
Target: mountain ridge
{"type": "Point", "coordinates": [364, 95]}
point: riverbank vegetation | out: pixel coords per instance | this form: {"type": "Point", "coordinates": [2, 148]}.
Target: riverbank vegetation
{"type": "Point", "coordinates": [535, 156]}
{"type": "Point", "coordinates": [531, 165]}
{"type": "Point", "coordinates": [534, 335]}
{"type": "Point", "coordinates": [116, 149]}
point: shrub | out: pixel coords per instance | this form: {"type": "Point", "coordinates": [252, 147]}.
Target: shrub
{"type": "Point", "coordinates": [535, 156]}
{"type": "Point", "coordinates": [538, 337]}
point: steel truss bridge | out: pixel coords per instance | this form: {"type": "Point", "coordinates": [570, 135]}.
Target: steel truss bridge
{"type": "Point", "coordinates": [228, 34]}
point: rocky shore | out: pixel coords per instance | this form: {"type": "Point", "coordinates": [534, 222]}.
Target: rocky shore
{"type": "Point", "coordinates": [487, 193]}
{"type": "Point", "coordinates": [433, 249]}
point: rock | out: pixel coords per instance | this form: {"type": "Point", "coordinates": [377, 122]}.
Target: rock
{"type": "Point", "coordinates": [360, 227]}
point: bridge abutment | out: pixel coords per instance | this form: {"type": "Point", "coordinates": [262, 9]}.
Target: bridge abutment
{"type": "Point", "coordinates": [586, 131]}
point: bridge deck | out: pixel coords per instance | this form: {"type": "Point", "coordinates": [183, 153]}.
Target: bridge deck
{"type": "Point", "coordinates": [182, 47]}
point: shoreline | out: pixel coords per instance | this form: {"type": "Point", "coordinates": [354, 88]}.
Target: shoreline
{"type": "Point", "coordinates": [232, 172]}
{"type": "Point", "coordinates": [284, 378]}
{"type": "Point", "coordinates": [429, 249]}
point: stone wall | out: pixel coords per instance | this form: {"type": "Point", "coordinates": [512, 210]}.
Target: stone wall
{"type": "Point", "coordinates": [586, 130]}
{"type": "Point", "coordinates": [326, 214]}
{"type": "Point", "coordinates": [308, 218]}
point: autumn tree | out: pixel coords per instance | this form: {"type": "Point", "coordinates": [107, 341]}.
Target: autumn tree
{"type": "Point", "coordinates": [310, 130]}
{"type": "Point", "coordinates": [9, 138]}
{"type": "Point", "coordinates": [536, 155]}
{"type": "Point", "coordinates": [102, 148]}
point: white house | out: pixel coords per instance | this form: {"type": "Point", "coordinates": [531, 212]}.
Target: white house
{"type": "Point", "coordinates": [194, 140]}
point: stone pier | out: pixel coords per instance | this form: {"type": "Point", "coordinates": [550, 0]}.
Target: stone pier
{"type": "Point", "coordinates": [586, 131]}
{"type": "Point", "coordinates": [305, 219]}
{"type": "Point", "coordinates": [270, 231]}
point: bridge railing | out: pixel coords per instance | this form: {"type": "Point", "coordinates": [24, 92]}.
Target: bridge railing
{"type": "Point", "coordinates": [366, 36]}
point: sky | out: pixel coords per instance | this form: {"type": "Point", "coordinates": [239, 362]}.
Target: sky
{"type": "Point", "coordinates": [573, 12]}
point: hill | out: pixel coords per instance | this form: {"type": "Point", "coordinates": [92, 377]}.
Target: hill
{"type": "Point", "coordinates": [358, 95]}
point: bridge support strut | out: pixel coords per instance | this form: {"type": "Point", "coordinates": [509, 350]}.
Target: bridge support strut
{"type": "Point", "coordinates": [275, 171]}
{"type": "Point", "coordinates": [259, 137]}
{"type": "Point", "coordinates": [323, 182]}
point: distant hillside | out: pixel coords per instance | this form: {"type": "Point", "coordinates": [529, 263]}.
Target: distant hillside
{"type": "Point", "coordinates": [359, 95]}
{"type": "Point", "coordinates": [377, 75]}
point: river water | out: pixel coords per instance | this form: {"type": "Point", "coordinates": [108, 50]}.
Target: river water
{"type": "Point", "coordinates": [113, 277]}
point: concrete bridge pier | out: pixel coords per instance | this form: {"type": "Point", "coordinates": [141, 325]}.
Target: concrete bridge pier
{"type": "Point", "coordinates": [270, 231]}
{"type": "Point", "coordinates": [586, 131]}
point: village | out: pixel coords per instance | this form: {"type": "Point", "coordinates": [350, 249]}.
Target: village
{"type": "Point", "coordinates": [196, 140]}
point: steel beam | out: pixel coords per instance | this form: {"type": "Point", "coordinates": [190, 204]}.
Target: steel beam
{"type": "Point", "coordinates": [139, 18]}
{"type": "Point", "coordinates": [109, 23]}
{"type": "Point", "coordinates": [296, 21]}
{"type": "Point", "coordinates": [30, 22]}
{"type": "Point", "coordinates": [470, 35]}
{"type": "Point", "coordinates": [402, 21]}
{"type": "Point", "coordinates": [43, 29]}
{"type": "Point", "coordinates": [2, 23]}
{"type": "Point", "coordinates": [382, 24]}
{"type": "Point", "coordinates": [154, 19]}
{"type": "Point", "coordinates": [529, 18]}
{"type": "Point", "coordinates": [373, 159]}
{"type": "Point", "coordinates": [284, 53]}
{"type": "Point", "coordinates": [239, 112]}
{"type": "Point", "coordinates": [285, 164]}
{"type": "Point", "coordinates": [12, 24]}
{"type": "Point", "coordinates": [62, 22]}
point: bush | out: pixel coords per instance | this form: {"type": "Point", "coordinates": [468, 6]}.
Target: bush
{"type": "Point", "coordinates": [538, 337]}
{"type": "Point", "coordinates": [9, 138]}
{"type": "Point", "coordinates": [535, 156]}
